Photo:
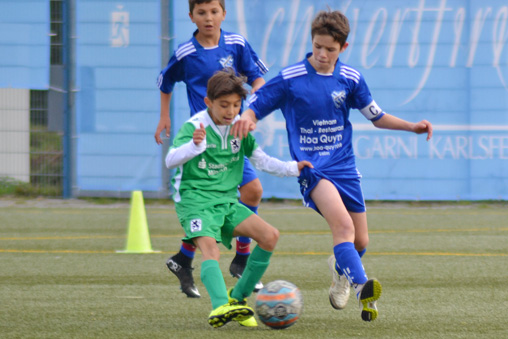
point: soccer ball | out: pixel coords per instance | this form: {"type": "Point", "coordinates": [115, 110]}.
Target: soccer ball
{"type": "Point", "coordinates": [279, 304]}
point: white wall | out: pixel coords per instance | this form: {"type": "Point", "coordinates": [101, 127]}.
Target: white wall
{"type": "Point", "coordinates": [15, 133]}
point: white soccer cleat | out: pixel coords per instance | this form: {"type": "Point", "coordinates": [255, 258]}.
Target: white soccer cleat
{"type": "Point", "coordinates": [339, 290]}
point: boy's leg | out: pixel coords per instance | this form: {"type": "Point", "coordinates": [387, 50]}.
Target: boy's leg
{"type": "Point", "coordinates": [266, 236]}
{"type": "Point", "coordinates": [251, 193]}
{"type": "Point", "coordinates": [340, 289]}
{"type": "Point", "coordinates": [211, 276]}
{"type": "Point", "coordinates": [242, 245]}
{"type": "Point", "coordinates": [256, 266]}
{"type": "Point", "coordinates": [181, 265]}
{"type": "Point", "coordinates": [328, 201]}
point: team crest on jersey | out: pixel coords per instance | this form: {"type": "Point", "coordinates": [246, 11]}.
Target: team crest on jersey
{"type": "Point", "coordinates": [227, 62]}
{"type": "Point", "coordinates": [338, 98]}
{"type": "Point", "coordinates": [195, 225]}
{"type": "Point", "coordinates": [235, 145]}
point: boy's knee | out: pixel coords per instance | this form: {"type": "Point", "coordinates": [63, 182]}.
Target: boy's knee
{"type": "Point", "coordinates": [361, 243]}
{"type": "Point", "coordinates": [276, 234]}
{"type": "Point", "coordinates": [270, 239]}
{"type": "Point", "coordinates": [251, 193]}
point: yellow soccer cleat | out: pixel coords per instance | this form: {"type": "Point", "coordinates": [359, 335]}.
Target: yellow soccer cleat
{"type": "Point", "coordinates": [226, 313]}
{"type": "Point", "coordinates": [248, 322]}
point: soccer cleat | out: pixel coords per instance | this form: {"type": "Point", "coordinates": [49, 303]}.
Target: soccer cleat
{"type": "Point", "coordinates": [370, 293]}
{"type": "Point", "coordinates": [248, 322]}
{"type": "Point", "coordinates": [228, 312]}
{"type": "Point", "coordinates": [184, 274]}
{"type": "Point", "coordinates": [236, 271]}
{"type": "Point", "coordinates": [339, 290]}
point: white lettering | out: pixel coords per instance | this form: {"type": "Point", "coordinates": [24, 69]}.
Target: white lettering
{"type": "Point", "coordinates": [385, 147]}
{"type": "Point", "coordinates": [468, 147]}
{"type": "Point", "coordinates": [308, 140]}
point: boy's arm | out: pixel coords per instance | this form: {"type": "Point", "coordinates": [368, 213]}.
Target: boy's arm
{"type": "Point", "coordinates": [256, 84]}
{"type": "Point", "coordinates": [388, 121]}
{"type": "Point", "coordinates": [180, 155]}
{"type": "Point", "coordinates": [266, 163]}
{"type": "Point", "coordinates": [164, 120]}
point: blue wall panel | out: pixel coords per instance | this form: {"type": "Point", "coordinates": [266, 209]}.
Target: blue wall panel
{"type": "Point", "coordinates": [441, 60]}
{"type": "Point", "coordinates": [118, 59]}
{"type": "Point", "coordinates": [24, 44]}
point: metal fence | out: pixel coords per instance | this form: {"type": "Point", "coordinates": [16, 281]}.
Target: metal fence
{"type": "Point", "coordinates": [31, 153]}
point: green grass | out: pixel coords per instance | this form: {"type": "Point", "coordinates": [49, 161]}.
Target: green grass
{"type": "Point", "coordinates": [443, 270]}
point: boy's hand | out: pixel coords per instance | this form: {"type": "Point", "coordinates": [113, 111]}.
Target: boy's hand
{"type": "Point", "coordinates": [304, 163]}
{"type": "Point", "coordinates": [242, 127]}
{"type": "Point", "coordinates": [199, 134]}
{"type": "Point", "coordinates": [164, 124]}
{"type": "Point", "coordinates": [245, 124]}
{"type": "Point", "coordinates": [423, 127]}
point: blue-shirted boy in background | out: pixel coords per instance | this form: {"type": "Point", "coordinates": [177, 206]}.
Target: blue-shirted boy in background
{"type": "Point", "coordinates": [194, 62]}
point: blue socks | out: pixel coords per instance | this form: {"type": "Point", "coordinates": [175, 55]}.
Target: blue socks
{"type": "Point", "coordinates": [348, 259]}
{"type": "Point", "coordinates": [252, 208]}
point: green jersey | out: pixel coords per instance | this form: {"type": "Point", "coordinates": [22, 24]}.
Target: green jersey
{"type": "Point", "coordinates": [218, 169]}
{"type": "Point", "coordinates": [209, 173]}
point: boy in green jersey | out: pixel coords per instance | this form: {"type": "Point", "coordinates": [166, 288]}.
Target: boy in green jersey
{"type": "Point", "coordinates": [209, 163]}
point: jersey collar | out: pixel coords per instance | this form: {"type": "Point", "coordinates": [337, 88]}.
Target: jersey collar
{"type": "Point", "coordinates": [196, 43]}
{"type": "Point", "coordinates": [312, 70]}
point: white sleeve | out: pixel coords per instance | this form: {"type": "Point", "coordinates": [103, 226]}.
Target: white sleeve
{"type": "Point", "coordinates": [179, 156]}
{"type": "Point", "coordinates": [266, 163]}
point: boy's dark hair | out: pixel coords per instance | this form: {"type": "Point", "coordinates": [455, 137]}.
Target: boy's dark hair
{"type": "Point", "coordinates": [224, 83]}
{"type": "Point", "coordinates": [332, 23]}
{"type": "Point", "coordinates": [193, 3]}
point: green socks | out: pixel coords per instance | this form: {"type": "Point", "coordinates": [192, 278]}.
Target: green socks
{"type": "Point", "coordinates": [212, 278]}
{"type": "Point", "coordinates": [257, 264]}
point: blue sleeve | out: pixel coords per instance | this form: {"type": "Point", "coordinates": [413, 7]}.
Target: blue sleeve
{"type": "Point", "coordinates": [361, 96]}
{"type": "Point", "coordinates": [259, 63]}
{"type": "Point", "coordinates": [170, 75]}
{"type": "Point", "coordinates": [269, 97]}
{"type": "Point", "coordinates": [247, 65]}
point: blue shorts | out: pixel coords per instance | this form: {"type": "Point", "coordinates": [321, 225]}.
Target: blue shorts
{"type": "Point", "coordinates": [249, 173]}
{"type": "Point", "coordinates": [350, 189]}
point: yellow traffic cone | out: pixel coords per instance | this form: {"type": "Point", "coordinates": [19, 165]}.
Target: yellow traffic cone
{"type": "Point", "coordinates": [138, 238]}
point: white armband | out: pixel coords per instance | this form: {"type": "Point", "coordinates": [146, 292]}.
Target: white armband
{"type": "Point", "coordinates": [372, 111]}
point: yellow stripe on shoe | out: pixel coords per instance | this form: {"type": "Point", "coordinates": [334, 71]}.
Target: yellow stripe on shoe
{"type": "Point", "coordinates": [369, 295]}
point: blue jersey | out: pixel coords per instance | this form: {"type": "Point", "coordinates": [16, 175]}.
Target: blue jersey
{"type": "Point", "coordinates": [316, 109]}
{"type": "Point", "coordinates": [194, 65]}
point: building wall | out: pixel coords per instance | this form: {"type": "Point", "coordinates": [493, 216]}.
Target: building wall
{"type": "Point", "coordinates": [15, 134]}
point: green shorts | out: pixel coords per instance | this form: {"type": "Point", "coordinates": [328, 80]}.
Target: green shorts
{"type": "Point", "coordinates": [217, 221]}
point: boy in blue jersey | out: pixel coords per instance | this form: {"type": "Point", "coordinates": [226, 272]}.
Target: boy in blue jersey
{"type": "Point", "coordinates": [209, 50]}
{"type": "Point", "coordinates": [209, 167]}
{"type": "Point", "coordinates": [315, 97]}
